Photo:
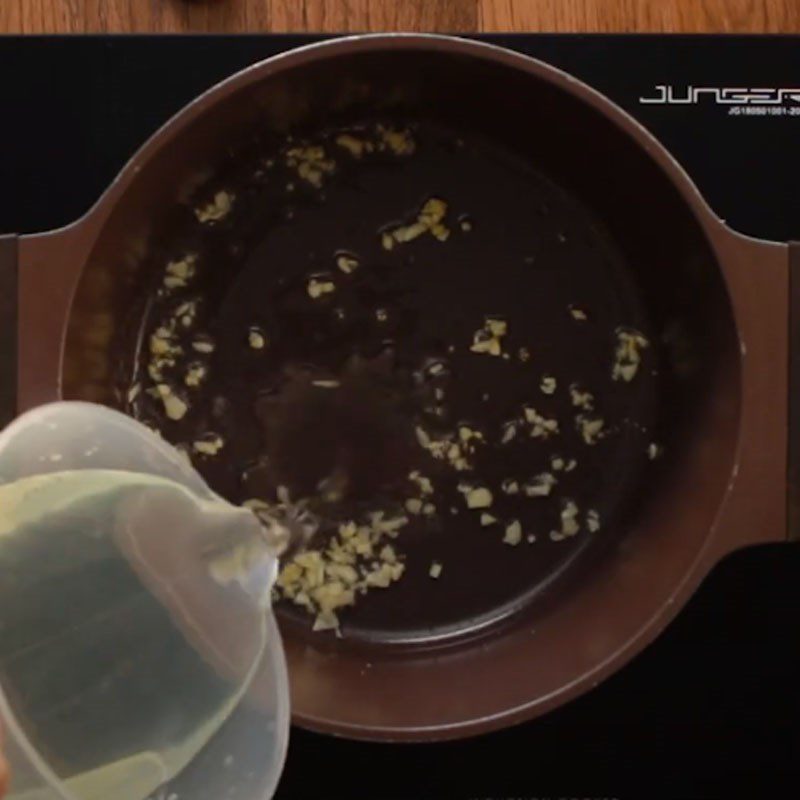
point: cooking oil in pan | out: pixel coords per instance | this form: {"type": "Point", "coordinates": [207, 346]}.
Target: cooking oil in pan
{"type": "Point", "coordinates": [482, 310]}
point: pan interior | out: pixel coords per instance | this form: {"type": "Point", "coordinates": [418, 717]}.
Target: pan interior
{"type": "Point", "coordinates": [549, 211]}
{"type": "Point", "coordinates": [343, 383]}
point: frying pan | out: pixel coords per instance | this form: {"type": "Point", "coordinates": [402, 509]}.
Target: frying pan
{"type": "Point", "coordinates": [717, 393]}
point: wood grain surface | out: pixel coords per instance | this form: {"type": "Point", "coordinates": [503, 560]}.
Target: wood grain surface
{"type": "Point", "coordinates": [77, 16]}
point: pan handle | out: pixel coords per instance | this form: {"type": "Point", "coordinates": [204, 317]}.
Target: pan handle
{"type": "Point", "coordinates": [9, 271]}
{"type": "Point", "coordinates": [38, 275]}
{"type": "Point", "coordinates": [756, 505]}
{"type": "Point", "coordinates": [793, 469]}
{"type": "Point", "coordinates": [49, 266]}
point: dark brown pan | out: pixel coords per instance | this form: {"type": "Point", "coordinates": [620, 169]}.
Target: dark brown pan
{"type": "Point", "coordinates": [538, 629]}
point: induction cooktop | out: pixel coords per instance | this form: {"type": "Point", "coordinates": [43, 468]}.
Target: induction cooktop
{"type": "Point", "coordinates": [712, 708]}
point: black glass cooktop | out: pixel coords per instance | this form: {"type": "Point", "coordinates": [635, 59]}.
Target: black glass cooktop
{"type": "Point", "coordinates": [712, 709]}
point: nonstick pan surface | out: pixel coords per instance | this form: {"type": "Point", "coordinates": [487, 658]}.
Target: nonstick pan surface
{"type": "Point", "coordinates": [555, 201]}
{"type": "Point", "coordinates": [396, 333]}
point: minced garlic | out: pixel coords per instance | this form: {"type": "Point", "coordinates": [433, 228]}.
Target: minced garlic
{"type": "Point", "coordinates": [356, 560]}
{"type": "Point", "coordinates": [509, 432]}
{"type": "Point", "coordinates": [186, 312]}
{"type": "Point", "coordinates": [478, 497]}
{"type": "Point", "coordinates": [569, 522]}
{"type": "Point", "coordinates": [208, 446]}
{"type": "Point", "coordinates": [590, 428]}
{"type": "Point", "coordinates": [539, 486]}
{"type": "Point", "coordinates": [311, 163]}
{"type": "Point", "coordinates": [318, 287]}
{"type": "Point", "coordinates": [400, 142]}
{"type": "Point", "coordinates": [180, 272]}
{"type": "Point", "coordinates": [627, 356]}
{"type": "Point", "coordinates": [513, 533]}
{"type": "Point", "coordinates": [548, 384]}
{"type": "Point", "coordinates": [424, 484]}
{"type": "Point", "coordinates": [559, 464]}
{"type": "Point", "coordinates": [256, 339]}
{"type": "Point", "coordinates": [445, 449]}
{"type": "Point", "coordinates": [429, 220]}
{"type": "Point", "coordinates": [578, 314]}
{"type": "Point", "coordinates": [580, 398]}
{"type": "Point", "coordinates": [354, 145]}
{"type": "Point", "coordinates": [217, 209]}
{"type": "Point", "coordinates": [174, 406]}
{"type": "Point", "coordinates": [541, 427]}
{"type": "Point", "coordinates": [347, 263]}
{"type": "Point", "coordinates": [488, 340]}
{"type": "Point", "coordinates": [195, 375]}
{"type": "Point", "coordinates": [413, 505]}
{"type": "Point", "coordinates": [203, 345]}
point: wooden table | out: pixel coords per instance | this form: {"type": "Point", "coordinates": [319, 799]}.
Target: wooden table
{"type": "Point", "coordinates": [76, 16]}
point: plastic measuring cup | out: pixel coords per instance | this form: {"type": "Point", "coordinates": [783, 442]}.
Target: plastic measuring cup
{"type": "Point", "coordinates": [131, 663]}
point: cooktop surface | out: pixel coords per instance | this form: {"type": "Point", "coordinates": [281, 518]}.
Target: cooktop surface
{"type": "Point", "coordinates": [711, 709]}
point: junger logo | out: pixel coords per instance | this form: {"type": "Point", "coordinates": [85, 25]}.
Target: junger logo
{"type": "Point", "coordinates": [692, 95]}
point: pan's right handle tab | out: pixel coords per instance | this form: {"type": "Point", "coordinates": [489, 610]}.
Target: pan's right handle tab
{"type": "Point", "coordinates": [9, 272]}
{"type": "Point", "coordinates": [794, 392]}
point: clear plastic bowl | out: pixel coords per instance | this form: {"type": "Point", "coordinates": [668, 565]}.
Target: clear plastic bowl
{"type": "Point", "coordinates": [126, 671]}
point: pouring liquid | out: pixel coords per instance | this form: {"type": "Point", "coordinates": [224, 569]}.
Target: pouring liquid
{"type": "Point", "coordinates": [122, 649]}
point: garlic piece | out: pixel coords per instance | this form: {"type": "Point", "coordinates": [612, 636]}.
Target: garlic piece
{"type": "Point", "coordinates": [256, 339]}
{"type": "Point", "coordinates": [487, 340]}
{"type": "Point", "coordinates": [352, 144]}
{"type": "Point", "coordinates": [317, 288]}
{"type": "Point", "coordinates": [578, 314]}
{"type": "Point", "coordinates": [653, 451]}
{"type": "Point", "coordinates": [413, 505]}
{"type": "Point", "coordinates": [581, 399]}
{"type": "Point", "coordinates": [509, 432]}
{"type": "Point", "coordinates": [400, 143]}
{"type": "Point", "coordinates": [513, 533]}
{"type": "Point", "coordinates": [627, 356]}
{"type": "Point", "coordinates": [217, 209]}
{"type": "Point", "coordinates": [203, 345]}
{"type": "Point", "coordinates": [590, 428]}
{"type": "Point", "coordinates": [174, 406]}
{"type": "Point", "coordinates": [479, 497]}
{"type": "Point", "coordinates": [540, 486]}
{"type": "Point", "coordinates": [548, 384]}
{"type": "Point", "coordinates": [195, 375]}
{"type": "Point", "coordinates": [569, 522]}
{"type": "Point", "coordinates": [429, 220]}
{"type": "Point", "coordinates": [424, 484]}
{"type": "Point", "coordinates": [208, 446]}
{"type": "Point", "coordinates": [347, 263]}
{"type": "Point", "coordinates": [180, 272]}
{"type": "Point", "coordinates": [541, 426]}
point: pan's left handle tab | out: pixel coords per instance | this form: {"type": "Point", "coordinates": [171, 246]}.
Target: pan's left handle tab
{"type": "Point", "coordinates": [9, 320]}
{"type": "Point", "coordinates": [793, 510]}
